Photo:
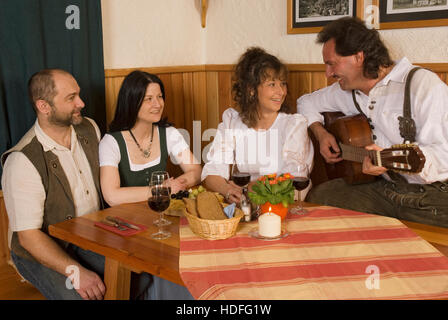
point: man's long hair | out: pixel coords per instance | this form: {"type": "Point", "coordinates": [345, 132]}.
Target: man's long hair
{"type": "Point", "coordinates": [352, 36]}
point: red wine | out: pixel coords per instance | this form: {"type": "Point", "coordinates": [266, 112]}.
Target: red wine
{"type": "Point", "coordinates": [241, 179]}
{"type": "Point", "coordinates": [161, 191]}
{"type": "Point", "coordinates": [300, 183]}
{"type": "Point", "coordinates": [159, 203]}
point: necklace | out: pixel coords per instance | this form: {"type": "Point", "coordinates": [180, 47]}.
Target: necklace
{"type": "Point", "coordinates": [147, 152]}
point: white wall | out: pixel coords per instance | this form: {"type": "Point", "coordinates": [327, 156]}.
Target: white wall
{"type": "Point", "coordinates": [148, 33]}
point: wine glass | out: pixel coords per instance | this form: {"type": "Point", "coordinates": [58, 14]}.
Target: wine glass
{"type": "Point", "coordinates": [159, 201]}
{"type": "Point", "coordinates": [241, 179]}
{"type": "Point", "coordinates": [161, 179]}
{"type": "Point", "coordinates": [300, 182]}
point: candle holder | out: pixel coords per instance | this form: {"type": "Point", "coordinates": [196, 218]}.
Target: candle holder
{"type": "Point", "coordinates": [270, 227]}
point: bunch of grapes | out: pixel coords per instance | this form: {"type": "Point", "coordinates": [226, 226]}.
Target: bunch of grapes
{"type": "Point", "coordinates": [181, 194]}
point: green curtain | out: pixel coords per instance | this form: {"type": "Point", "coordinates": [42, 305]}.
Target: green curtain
{"type": "Point", "coordinates": [38, 34]}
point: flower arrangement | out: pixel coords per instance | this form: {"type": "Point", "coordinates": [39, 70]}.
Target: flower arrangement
{"type": "Point", "coordinates": [273, 189]}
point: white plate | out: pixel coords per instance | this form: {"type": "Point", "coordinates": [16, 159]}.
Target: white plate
{"type": "Point", "coordinates": [254, 234]}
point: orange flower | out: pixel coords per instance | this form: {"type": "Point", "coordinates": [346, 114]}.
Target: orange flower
{"type": "Point", "coordinates": [262, 178]}
{"type": "Point", "coordinates": [288, 176]}
{"type": "Point", "coordinates": [272, 176]}
{"type": "Point", "coordinates": [273, 181]}
{"type": "Point", "coordinates": [281, 178]}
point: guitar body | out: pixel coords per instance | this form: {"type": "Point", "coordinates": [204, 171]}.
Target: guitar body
{"type": "Point", "coordinates": [350, 130]}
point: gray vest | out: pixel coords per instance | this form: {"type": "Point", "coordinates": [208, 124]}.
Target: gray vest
{"type": "Point", "coordinates": [59, 204]}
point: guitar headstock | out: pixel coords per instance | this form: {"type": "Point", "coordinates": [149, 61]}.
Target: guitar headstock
{"type": "Point", "coordinates": [403, 158]}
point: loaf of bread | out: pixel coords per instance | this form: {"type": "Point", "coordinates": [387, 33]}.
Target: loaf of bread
{"type": "Point", "coordinates": [209, 207]}
{"type": "Point", "coordinates": [190, 205]}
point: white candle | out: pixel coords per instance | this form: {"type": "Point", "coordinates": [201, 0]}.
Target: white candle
{"type": "Point", "coordinates": [269, 225]}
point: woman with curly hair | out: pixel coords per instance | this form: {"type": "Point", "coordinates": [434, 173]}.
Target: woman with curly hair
{"type": "Point", "coordinates": [260, 135]}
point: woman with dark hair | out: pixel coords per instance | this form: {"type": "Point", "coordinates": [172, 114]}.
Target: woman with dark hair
{"type": "Point", "coordinates": [139, 143]}
{"type": "Point", "coordinates": [261, 135]}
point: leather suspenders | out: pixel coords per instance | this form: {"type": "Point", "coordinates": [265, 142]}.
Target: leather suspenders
{"type": "Point", "coordinates": [406, 123]}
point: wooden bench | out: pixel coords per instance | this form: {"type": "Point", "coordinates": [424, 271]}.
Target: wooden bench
{"type": "Point", "coordinates": [12, 285]}
{"type": "Point", "coordinates": [4, 249]}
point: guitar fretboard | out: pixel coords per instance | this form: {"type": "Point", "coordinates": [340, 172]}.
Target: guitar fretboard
{"type": "Point", "coordinates": [357, 154]}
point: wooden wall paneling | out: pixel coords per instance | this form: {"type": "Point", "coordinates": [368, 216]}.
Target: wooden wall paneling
{"type": "Point", "coordinates": [299, 84]}
{"type": "Point", "coordinates": [4, 249]}
{"type": "Point", "coordinates": [170, 113]}
{"type": "Point", "coordinates": [200, 98]}
{"type": "Point", "coordinates": [187, 85]}
{"type": "Point", "coordinates": [212, 93]}
{"type": "Point", "coordinates": [304, 83]}
{"type": "Point", "coordinates": [318, 81]}
{"type": "Point", "coordinates": [330, 81]}
{"type": "Point", "coordinates": [443, 77]}
{"type": "Point", "coordinates": [110, 100]}
{"type": "Point", "coordinates": [155, 70]}
{"type": "Point", "coordinates": [178, 100]}
{"type": "Point", "coordinates": [169, 108]}
{"type": "Point", "coordinates": [200, 108]}
{"type": "Point", "coordinates": [188, 100]}
{"type": "Point", "coordinates": [115, 88]}
{"type": "Point", "coordinates": [173, 109]}
{"type": "Point", "coordinates": [293, 89]}
{"type": "Point", "coordinates": [225, 92]}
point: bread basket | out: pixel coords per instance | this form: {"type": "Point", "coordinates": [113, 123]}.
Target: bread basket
{"type": "Point", "coordinates": [214, 229]}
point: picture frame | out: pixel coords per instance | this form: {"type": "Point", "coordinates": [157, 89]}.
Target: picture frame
{"type": "Point", "coordinates": [310, 16]}
{"type": "Point", "coordinates": [395, 14]}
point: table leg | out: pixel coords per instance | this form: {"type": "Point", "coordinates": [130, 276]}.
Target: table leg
{"type": "Point", "coordinates": [117, 279]}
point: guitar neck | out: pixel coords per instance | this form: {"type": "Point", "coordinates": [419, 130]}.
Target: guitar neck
{"type": "Point", "coordinates": [358, 154]}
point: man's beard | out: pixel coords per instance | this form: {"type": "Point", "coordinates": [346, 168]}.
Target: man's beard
{"type": "Point", "coordinates": [63, 120]}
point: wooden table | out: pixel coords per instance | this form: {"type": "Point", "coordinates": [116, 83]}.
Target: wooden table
{"type": "Point", "coordinates": [138, 253]}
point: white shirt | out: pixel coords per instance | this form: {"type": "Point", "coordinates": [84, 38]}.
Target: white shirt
{"type": "Point", "coordinates": [429, 107]}
{"type": "Point", "coordinates": [276, 150]}
{"type": "Point", "coordinates": [24, 192]}
{"type": "Point", "coordinates": [109, 151]}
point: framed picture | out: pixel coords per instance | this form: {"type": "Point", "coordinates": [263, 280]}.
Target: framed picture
{"type": "Point", "coordinates": [412, 13]}
{"type": "Point", "coordinates": [309, 16]}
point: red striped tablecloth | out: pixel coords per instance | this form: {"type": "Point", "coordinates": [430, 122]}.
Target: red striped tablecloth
{"type": "Point", "coordinates": [329, 254]}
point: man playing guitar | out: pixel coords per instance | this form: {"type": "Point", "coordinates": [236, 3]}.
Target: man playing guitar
{"type": "Point", "coordinates": [371, 84]}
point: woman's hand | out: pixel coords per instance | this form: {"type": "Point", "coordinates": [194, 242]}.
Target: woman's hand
{"type": "Point", "coordinates": [234, 193]}
{"type": "Point", "coordinates": [178, 184]}
{"type": "Point", "coordinates": [230, 191]}
{"type": "Point", "coordinates": [192, 171]}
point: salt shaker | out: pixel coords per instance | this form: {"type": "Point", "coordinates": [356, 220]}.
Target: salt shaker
{"type": "Point", "coordinates": [245, 207]}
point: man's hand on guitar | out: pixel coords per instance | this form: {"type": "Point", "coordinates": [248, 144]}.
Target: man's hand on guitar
{"type": "Point", "coordinates": [327, 142]}
{"type": "Point", "coordinates": [330, 149]}
{"type": "Point", "coordinates": [368, 167]}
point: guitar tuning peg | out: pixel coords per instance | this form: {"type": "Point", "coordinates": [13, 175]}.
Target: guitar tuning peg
{"type": "Point", "coordinates": [403, 145]}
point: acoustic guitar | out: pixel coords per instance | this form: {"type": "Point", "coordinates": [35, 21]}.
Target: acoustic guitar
{"type": "Point", "coordinates": [353, 133]}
